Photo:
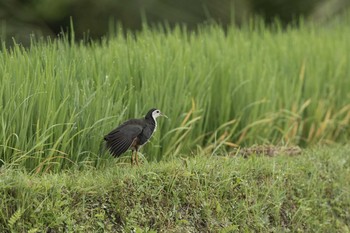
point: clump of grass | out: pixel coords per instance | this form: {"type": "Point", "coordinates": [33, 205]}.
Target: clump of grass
{"type": "Point", "coordinates": [220, 89]}
{"type": "Point", "coordinates": [203, 193]}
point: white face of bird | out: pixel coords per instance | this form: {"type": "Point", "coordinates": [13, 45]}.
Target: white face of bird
{"type": "Point", "coordinates": [156, 113]}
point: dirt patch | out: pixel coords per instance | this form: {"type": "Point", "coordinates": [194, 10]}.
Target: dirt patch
{"type": "Point", "coordinates": [266, 150]}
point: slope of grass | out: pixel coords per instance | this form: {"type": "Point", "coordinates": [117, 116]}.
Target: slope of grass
{"type": "Point", "coordinates": [306, 193]}
{"type": "Point", "coordinates": [243, 86]}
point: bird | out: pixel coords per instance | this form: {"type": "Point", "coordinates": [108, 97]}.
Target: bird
{"type": "Point", "coordinates": [132, 134]}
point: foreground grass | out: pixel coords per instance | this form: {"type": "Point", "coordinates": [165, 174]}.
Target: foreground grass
{"type": "Point", "coordinates": [306, 193]}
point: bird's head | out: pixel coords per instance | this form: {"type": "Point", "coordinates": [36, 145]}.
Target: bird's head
{"type": "Point", "coordinates": [154, 113]}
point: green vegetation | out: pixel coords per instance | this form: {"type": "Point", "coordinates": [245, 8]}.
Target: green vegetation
{"type": "Point", "coordinates": [306, 193]}
{"type": "Point", "coordinates": [220, 89]}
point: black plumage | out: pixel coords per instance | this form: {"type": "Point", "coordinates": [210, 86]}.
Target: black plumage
{"type": "Point", "coordinates": [132, 134]}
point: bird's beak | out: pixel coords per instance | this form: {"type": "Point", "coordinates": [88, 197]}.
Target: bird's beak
{"type": "Point", "coordinates": [163, 115]}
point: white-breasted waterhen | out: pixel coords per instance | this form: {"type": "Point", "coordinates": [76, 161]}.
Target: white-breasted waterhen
{"type": "Point", "coordinates": [132, 134]}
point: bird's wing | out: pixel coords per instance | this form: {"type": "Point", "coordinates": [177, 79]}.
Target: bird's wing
{"type": "Point", "coordinates": [120, 139]}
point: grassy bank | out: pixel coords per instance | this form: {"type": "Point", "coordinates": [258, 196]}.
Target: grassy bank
{"type": "Point", "coordinates": [243, 86]}
{"type": "Point", "coordinates": [305, 193]}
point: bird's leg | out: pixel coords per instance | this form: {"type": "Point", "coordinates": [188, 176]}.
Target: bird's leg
{"type": "Point", "coordinates": [137, 157]}
{"type": "Point", "coordinates": [132, 157]}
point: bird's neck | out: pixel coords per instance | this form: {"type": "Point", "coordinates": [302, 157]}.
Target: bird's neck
{"type": "Point", "coordinates": [152, 120]}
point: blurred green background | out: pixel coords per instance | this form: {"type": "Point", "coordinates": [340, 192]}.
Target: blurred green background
{"type": "Point", "coordinates": [93, 19]}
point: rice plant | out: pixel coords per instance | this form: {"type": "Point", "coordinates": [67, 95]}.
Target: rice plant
{"type": "Point", "coordinates": [220, 89]}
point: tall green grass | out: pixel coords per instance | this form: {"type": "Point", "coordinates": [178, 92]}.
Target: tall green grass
{"type": "Point", "coordinates": [219, 89]}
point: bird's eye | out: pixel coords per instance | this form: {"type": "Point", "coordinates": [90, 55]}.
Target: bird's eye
{"type": "Point", "coordinates": [157, 111]}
